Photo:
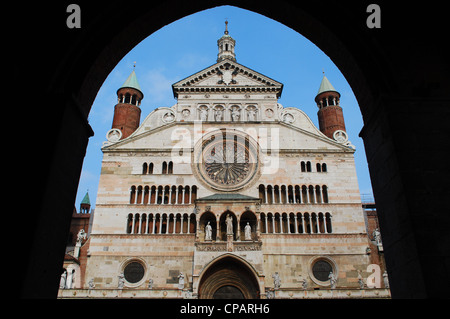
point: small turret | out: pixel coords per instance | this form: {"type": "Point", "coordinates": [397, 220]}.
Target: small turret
{"type": "Point", "coordinates": [127, 113]}
{"type": "Point", "coordinates": [331, 117]}
{"type": "Point", "coordinates": [85, 205]}
{"type": "Point", "coordinates": [226, 46]}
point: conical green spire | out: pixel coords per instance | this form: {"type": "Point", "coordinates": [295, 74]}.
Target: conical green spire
{"type": "Point", "coordinates": [86, 199]}
{"type": "Point", "coordinates": [132, 82]}
{"type": "Point", "coordinates": [325, 86]}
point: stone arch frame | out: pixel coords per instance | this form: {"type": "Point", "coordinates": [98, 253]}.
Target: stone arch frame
{"type": "Point", "coordinates": [209, 283]}
{"type": "Point", "coordinates": [364, 56]}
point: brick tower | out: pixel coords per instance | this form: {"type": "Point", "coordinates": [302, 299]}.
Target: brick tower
{"type": "Point", "coordinates": [127, 113]}
{"type": "Point", "coordinates": [330, 113]}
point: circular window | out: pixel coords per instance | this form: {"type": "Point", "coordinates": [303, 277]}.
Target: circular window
{"type": "Point", "coordinates": [134, 272]}
{"type": "Point", "coordinates": [321, 270]}
{"type": "Point", "coordinates": [226, 160]}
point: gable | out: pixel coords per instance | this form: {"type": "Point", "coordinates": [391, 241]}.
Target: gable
{"type": "Point", "coordinates": [226, 74]}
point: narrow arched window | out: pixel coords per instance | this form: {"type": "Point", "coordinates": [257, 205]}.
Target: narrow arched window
{"type": "Point", "coordinates": [194, 193]}
{"type": "Point", "coordinates": [325, 193]}
{"type": "Point", "coordinates": [303, 166]}
{"type": "Point", "coordinates": [324, 167]}
{"type": "Point", "coordinates": [150, 168]}
{"type": "Point", "coordinates": [308, 166]}
{"type": "Point", "coordinates": [328, 223]}
{"type": "Point", "coordinates": [164, 168]}
{"type": "Point", "coordinates": [144, 168]}
{"type": "Point", "coordinates": [132, 194]}
{"type": "Point", "coordinates": [319, 167]}
{"type": "Point", "coordinates": [170, 170]}
{"type": "Point", "coordinates": [129, 223]}
{"type": "Point", "coordinates": [262, 193]}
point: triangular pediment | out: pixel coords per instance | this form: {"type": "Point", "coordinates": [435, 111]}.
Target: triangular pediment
{"type": "Point", "coordinates": [228, 75]}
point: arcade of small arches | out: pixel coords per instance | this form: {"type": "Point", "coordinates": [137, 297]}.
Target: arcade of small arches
{"type": "Point", "coordinates": [293, 194]}
{"type": "Point", "coordinates": [296, 223]}
{"type": "Point", "coordinates": [127, 98]}
{"type": "Point", "coordinates": [164, 195]}
{"type": "Point", "coordinates": [161, 223]}
{"type": "Point", "coordinates": [269, 223]}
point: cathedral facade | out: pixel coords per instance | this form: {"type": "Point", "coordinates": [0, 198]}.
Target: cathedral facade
{"type": "Point", "coordinates": [228, 194]}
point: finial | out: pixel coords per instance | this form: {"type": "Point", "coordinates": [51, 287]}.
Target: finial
{"type": "Point", "coordinates": [323, 71]}
{"type": "Point", "coordinates": [226, 27]}
{"type": "Point", "coordinates": [134, 64]}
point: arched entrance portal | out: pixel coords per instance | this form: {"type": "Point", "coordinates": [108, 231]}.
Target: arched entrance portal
{"type": "Point", "coordinates": [228, 278]}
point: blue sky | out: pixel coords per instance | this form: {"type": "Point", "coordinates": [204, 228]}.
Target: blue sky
{"type": "Point", "coordinates": [189, 45]}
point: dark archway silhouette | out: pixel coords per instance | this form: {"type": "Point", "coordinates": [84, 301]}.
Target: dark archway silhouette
{"type": "Point", "coordinates": [228, 277]}
{"type": "Point", "coordinates": [399, 75]}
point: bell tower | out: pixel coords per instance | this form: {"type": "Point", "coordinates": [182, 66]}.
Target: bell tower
{"type": "Point", "coordinates": [127, 113]}
{"type": "Point", "coordinates": [331, 117]}
{"type": "Point", "coordinates": [226, 46]}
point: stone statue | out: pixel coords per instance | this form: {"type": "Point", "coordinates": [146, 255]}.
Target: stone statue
{"type": "Point", "coordinates": [62, 282]}
{"type": "Point", "coordinates": [333, 280]}
{"type": "Point", "coordinates": [248, 232]}
{"type": "Point", "coordinates": [218, 115]}
{"type": "Point", "coordinates": [150, 283]}
{"type": "Point", "coordinates": [181, 281]}
{"type": "Point", "coordinates": [121, 281]}
{"type": "Point", "coordinates": [386, 280]}
{"type": "Point", "coordinates": [208, 232]}
{"type": "Point", "coordinates": [203, 114]}
{"type": "Point", "coordinates": [235, 114]}
{"type": "Point", "coordinates": [229, 225]}
{"type": "Point", "coordinates": [276, 281]}
{"type": "Point", "coordinates": [91, 284]}
{"type": "Point", "coordinates": [251, 115]}
{"type": "Point", "coordinates": [304, 283]}
{"type": "Point", "coordinates": [377, 237]}
{"type": "Point", "coordinates": [360, 280]}
{"type": "Point", "coordinates": [81, 236]}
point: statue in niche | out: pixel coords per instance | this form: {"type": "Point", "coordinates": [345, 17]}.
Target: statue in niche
{"type": "Point", "coordinates": [208, 232]}
{"type": "Point", "coordinates": [229, 225]}
{"type": "Point", "coordinates": [218, 113]}
{"type": "Point", "coordinates": [235, 114]}
{"type": "Point", "coordinates": [248, 232]}
{"type": "Point", "coordinates": [251, 114]}
{"type": "Point", "coordinates": [203, 114]}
